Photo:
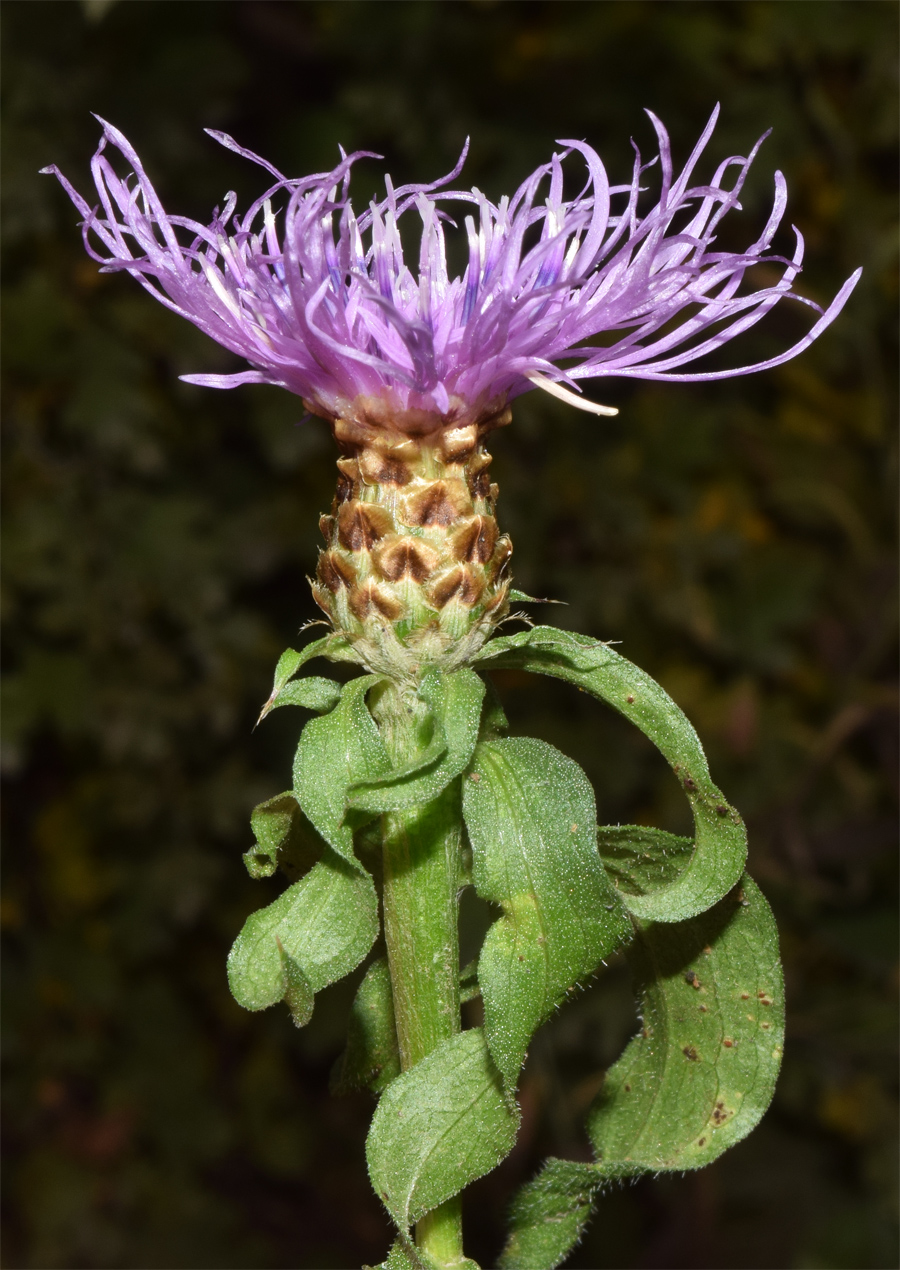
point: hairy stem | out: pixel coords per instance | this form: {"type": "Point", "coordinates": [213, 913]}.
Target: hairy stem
{"type": "Point", "coordinates": [421, 849]}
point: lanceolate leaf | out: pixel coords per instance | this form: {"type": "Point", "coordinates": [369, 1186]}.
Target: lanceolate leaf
{"type": "Point", "coordinates": [292, 659]}
{"type": "Point", "coordinates": [439, 1126]}
{"type": "Point", "coordinates": [313, 693]}
{"type": "Point", "coordinates": [316, 932]}
{"type": "Point", "coordinates": [371, 1059]}
{"type": "Point", "coordinates": [720, 844]}
{"type": "Point", "coordinates": [549, 1214]}
{"type": "Point", "coordinates": [454, 701]}
{"type": "Point", "coordinates": [530, 814]}
{"type": "Point", "coordinates": [335, 752]}
{"type": "Point", "coordinates": [702, 1072]}
{"type": "Point", "coordinates": [334, 647]}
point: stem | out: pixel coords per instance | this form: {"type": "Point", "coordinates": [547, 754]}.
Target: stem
{"type": "Point", "coordinates": [421, 881]}
{"type": "Point", "coordinates": [439, 1233]}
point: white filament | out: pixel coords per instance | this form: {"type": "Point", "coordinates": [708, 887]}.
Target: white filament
{"type": "Point", "coordinates": [572, 398]}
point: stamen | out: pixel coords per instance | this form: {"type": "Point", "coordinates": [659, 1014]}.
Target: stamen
{"type": "Point", "coordinates": [572, 398]}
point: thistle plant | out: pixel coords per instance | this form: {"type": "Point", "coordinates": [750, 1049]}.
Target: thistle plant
{"type": "Point", "coordinates": [406, 787]}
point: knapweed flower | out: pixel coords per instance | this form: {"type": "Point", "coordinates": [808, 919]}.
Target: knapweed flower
{"type": "Point", "coordinates": [322, 302]}
{"type": "Point", "coordinates": [413, 366]}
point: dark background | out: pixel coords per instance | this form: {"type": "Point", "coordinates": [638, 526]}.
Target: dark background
{"type": "Point", "coordinates": [736, 537]}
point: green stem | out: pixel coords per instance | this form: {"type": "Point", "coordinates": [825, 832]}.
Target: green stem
{"type": "Point", "coordinates": [421, 879]}
{"type": "Point", "coordinates": [439, 1233]}
{"type": "Point", "coordinates": [421, 882]}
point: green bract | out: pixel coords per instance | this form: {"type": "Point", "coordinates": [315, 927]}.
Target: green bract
{"type": "Point", "coordinates": [425, 768]}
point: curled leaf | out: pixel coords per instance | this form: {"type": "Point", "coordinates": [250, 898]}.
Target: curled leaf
{"type": "Point", "coordinates": [284, 839]}
{"type": "Point", "coordinates": [720, 841]}
{"type": "Point", "coordinates": [320, 928]}
{"type": "Point", "coordinates": [642, 860]}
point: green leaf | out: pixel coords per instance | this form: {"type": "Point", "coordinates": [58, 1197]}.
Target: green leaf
{"type": "Point", "coordinates": [531, 819]}
{"type": "Point", "coordinates": [291, 660]}
{"type": "Point", "coordinates": [549, 1214]}
{"type": "Point", "coordinates": [334, 647]}
{"type": "Point", "coordinates": [519, 597]}
{"type": "Point", "coordinates": [720, 842]}
{"type": "Point", "coordinates": [640, 860]}
{"type": "Point", "coordinates": [439, 1126]}
{"type": "Point", "coordinates": [312, 693]}
{"type": "Point", "coordinates": [316, 932]}
{"type": "Point", "coordinates": [494, 722]}
{"type": "Point", "coordinates": [469, 989]}
{"type": "Point", "coordinates": [284, 838]}
{"type": "Point", "coordinates": [701, 1074]}
{"type": "Point", "coordinates": [371, 1059]}
{"type": "Point", "coordinates": [454, 701]}
{"type": "Point", "coordinates": [298, 992]}
{"type": "Point", "coordinates": [335, 752]}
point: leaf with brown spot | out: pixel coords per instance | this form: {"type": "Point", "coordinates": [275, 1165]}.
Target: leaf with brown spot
{"type": "Point", "coordinates": [683, 1114]}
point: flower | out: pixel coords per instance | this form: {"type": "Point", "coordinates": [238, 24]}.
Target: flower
{"type": "Point", "coordinates": [322, 302]}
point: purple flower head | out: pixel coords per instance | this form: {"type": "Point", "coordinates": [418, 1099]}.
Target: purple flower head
{"type": "Point", "coordinates": [322, 301]}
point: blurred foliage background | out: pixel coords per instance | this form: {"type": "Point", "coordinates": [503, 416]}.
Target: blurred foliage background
{"type": "Point", "coordinates": [735, 537]}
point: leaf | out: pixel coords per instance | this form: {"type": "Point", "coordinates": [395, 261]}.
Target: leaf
{"type": "Point", "coordinates": [291, 660]}
{"type": "Point", "coordinates": [720, 842]}
{"type": "Point", "coordinates": [530, 815]}
{"type": "Point", "coordinates": [335, 752]}
{"type": "Point", "coordinates": [494, 722]}
{"type": "Point", "coordinates": [313, 693]}
{"type": "Point", "coordinates": [371, 1059]}
{"type": "Point", "coordinates": [455, 704]}
{"type": "Point", "coordinates": [298, 993]}
{"type": "Point", "coordinates": [439, 1126]}
{"type": "Point", "coordinates": [284, 837]}
{"type": "Point", "coordinates": [519, 597]}
{"type": "Point", "coordinates": [640, 860]}
{"type": "Point", "coordinates": [469, 989]}
{"type": "Point", "coordinates": [549, 1214]}
{"type": "Point", "coordinates": [702, 1073]}
{"type": "Point", "coordinates": [320, 928]}
{"type": "Point", "coordinates": [334, 647]}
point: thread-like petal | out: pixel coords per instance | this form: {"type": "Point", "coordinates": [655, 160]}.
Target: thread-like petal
{"type": "Point", "coordinates": [321, 301]}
